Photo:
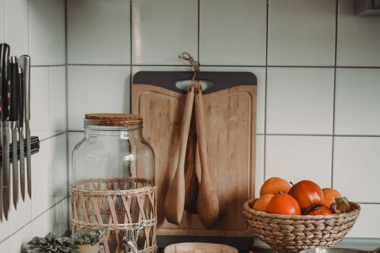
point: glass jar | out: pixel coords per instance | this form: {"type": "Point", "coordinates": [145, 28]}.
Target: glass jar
{"type": "Point", "coordinates": [114, 179]}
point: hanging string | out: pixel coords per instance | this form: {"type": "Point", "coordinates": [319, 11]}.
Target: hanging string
{"type": "Point", "coordinates": [195, 64]}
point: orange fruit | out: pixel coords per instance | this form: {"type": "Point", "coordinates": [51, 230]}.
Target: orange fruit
{"type": "Point", "coordinates": [307, 193]}
{"type": "Point", "coordinates": [330, 195]}
{"type": "Point", "coordinates": [261, 204]}
{"type": "Point", "coordinates": [274, 185]}
{"type": "Point", "coordinates": [284, 204]}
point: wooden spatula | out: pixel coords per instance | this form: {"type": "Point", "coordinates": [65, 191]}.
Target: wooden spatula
{"type": "Point", "coordinates": [207, 203]}
{"type": "Point", "coordinates": [175, 197]}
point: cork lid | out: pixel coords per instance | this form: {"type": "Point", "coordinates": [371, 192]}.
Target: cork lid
{"type": "Point", "coordinates": [114, 119]}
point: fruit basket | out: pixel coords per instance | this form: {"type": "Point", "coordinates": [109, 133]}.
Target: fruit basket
{"type": "Point", "coordinates": [293, 233]}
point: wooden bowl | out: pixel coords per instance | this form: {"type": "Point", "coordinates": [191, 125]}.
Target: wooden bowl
{"type": "Point", "coordinates": [199, 248]}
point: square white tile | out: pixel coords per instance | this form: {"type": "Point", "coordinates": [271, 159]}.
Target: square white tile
{"type": "Point", "coordinates": [18, 241]}
{"type": "Point", "coordinates": [4, 229]}
{"type": "Point", "coordinates": [18, 218]}
{"type": "Point", "coordinates": [259, 177]}
{"type": "Point", "coordinates": [57, 36]}
{"type": "Point", "coordinates": [42, 225]}
{"type": "Point", "coordinates": [58, 106]}
{"type": "Point", "coordinates": [41, 179]}
{"type": "Point", "coordinates": [74, 139]}
{"type": "Point", "coordinates": [5, 246]}
{"type": "Point", "coordinates": [59, 217]}
{"type": "Point", "coordinates": [232, 32]}
{"type": "Point", "coordinates": [301, 33]}
{"type": "Point", "coordinates": [356, 162]}
{"type": "Point", "coordinates": [39, 31]}
{"type": "Point", "coordinates": [367, 224]}
{"type": "Point", "coordinates": [260, 75]}
{"type": "Point", "coordinates": [59, 168]}
{"type": "Point", "coordinates": [357, 102]}
{"type": "Point", "coordinates": [2, 20]}
{"type": "Point", "coordinates": [164, 29]}
{"type": "Point", "coordinates": [296, 158]}
{"type": "Point", "coordinates": [17, 26]}
{"type": "Point", "coordinates": [39, 102]}
{"type": "Point", "coordinates": [300, 100]}
{"type": "Point", "coordinates": [358, 43]}
{"type": "Point", "coordinates": [98, 31]}
{"type": "Point", "coordinates": [97, 89]}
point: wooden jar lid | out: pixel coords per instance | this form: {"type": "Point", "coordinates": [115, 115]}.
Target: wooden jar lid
{"type": "Point", "coordinates": [114, 119]}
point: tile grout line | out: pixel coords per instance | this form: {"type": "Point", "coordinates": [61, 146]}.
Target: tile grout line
{"type": "Point", "coordinates": [31, 221]}
{"type": "Point", "coordinates": [334, 94]}
{"type": "Point", "coordinates": [199, 28]}
{"type": "Point", "coordinates": [67, 118]}
{"type": "Point", "coordinates": [217, 66]}
{"type": "Point", "coordinates": [265, 92]}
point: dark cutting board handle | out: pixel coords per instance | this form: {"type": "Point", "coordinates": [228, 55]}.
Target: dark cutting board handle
{"type": "Point", "coordinates": [221, 80]}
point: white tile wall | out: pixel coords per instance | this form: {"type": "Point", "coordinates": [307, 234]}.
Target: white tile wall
{"type": "Point", "coordinates": [260, 151]}
{"type": "Point", "coordinates": [297, 158]}
{"type": "Point", "coordinates": [358, 41]}
{"type": "Point", "coordinates": [58, 109]}
{"type": "Point", "coordinates": [300, 101]}
{"type": "Point", "coordinates": [357, 102]}
{"type": "Point", "coordinates": [97, 89]}
{"type": "Point", "coordinates": [39, 104]}
{"type": "Point", "coordinates": [367, 223]}
{"type": "Point", "coordinates": [2, 20]}
{"type": "Point", "coordinates": [243, 46]}
{"type": "Point", "coordinates": [39, 31]}
{"type": "Point", "coordinates": [164, 29]}
{"type": "Point", "coordinates": [357, 163]}
{"type": "Point", "coordinates": [37, 27]}
{"type": "Point", "coordinates": [18, 241]}
{"type": "Point", "coordinates": [98, 31]}
{"type": "Point", "coordinates": [17, 26]}
{"type": "Point", "coordinates": [57, 29]}
{"type": "Point", "coordinates": [302, 109]}
{"type": "Point", "coordinates": [301, 33]}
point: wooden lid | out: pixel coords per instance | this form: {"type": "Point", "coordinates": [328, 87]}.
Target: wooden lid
{"type": "Point", "coordinates": [114, 119]}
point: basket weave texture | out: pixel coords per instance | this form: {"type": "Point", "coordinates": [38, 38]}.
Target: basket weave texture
{"type": "Point", "coordinates": [293, 233]}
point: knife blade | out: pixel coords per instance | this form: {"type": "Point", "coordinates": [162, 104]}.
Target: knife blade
{"type": "Point", "coordinates": [13, 120]}
{"type": "Point", "coordinates": [3, 49]}
{"type": "Point", "coordinates": [5, 134]}
{"type": "Point", "coordinates": [26, 63]}
{"type": "Point", "coordinates": [5, 149]}
{"type": "Point", "coordinates": [21, 131]}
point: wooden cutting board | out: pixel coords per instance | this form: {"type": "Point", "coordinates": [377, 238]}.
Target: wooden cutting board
{"type": "Point", "coordinates": [230, 113]}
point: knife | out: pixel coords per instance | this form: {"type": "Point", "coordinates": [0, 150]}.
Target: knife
{"type": "Point", "coordinates": [4, 48]}
{"type": "Point", "coordinates": [13, 120]}
{"type": "Point", "coordinates": [25, 62]}
{"type": "Point", "coordinates": [5, 134]}
{"type": "Point", "coordinates": [21, 117]}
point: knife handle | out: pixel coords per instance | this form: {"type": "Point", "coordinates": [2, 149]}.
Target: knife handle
{"type": "Point", "coordinates": [4, 81]}
{"type": "Point", "coordinates": [13, 113]}
{"type": "Point", "coordinates": [21, 98]}
{"type": "Point", "coordinates": [25, 63]}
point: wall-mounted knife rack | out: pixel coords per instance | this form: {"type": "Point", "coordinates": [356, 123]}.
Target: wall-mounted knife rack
{"type": "Point", "coordinates": [35, 149]}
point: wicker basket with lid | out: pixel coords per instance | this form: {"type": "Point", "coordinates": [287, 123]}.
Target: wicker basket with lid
{"type": "Point", "coordinates": [114, 181]}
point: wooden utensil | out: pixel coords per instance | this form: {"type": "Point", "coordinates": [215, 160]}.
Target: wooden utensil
{"type": "Point", "coordinates": [230, 122]}
{"type": "Point", "coordinates": [175, 197]}
{"type": "Point", "coordinates": [207, 203]}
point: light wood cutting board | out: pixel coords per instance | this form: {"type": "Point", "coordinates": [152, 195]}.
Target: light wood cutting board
{"type": "Point", "coordinates": [230, 113]}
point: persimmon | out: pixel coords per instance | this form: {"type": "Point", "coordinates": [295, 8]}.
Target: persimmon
{"type": "Point", "coordinates": [261, 204]}
{"type": "Point", "coordinates": [330, 194]}
{"type": "Point", "coordinates": [284, 204]}
{"type": "Point", "coordinates": [274, 185]}
{"type": "Point", "coordinates": [317, 210]}
{"type": "Point", "coordinates": [307, 193]}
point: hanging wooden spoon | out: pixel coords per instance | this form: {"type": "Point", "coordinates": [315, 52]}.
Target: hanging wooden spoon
{"type": "Point", "coordinates": [207, 203]}
{"type": "Point", "coordinates": [175, 197]}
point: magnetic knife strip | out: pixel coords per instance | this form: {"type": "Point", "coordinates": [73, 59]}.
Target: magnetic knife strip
{"type": "Point", "coordinates": [35, 143]}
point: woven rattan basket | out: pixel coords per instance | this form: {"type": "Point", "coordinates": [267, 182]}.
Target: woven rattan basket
{"type": "Point", "coordinates": [293, 233]}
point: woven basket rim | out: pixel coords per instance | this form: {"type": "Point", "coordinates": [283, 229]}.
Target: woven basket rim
{"type": "Point", "coordinates": [355, 208]}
